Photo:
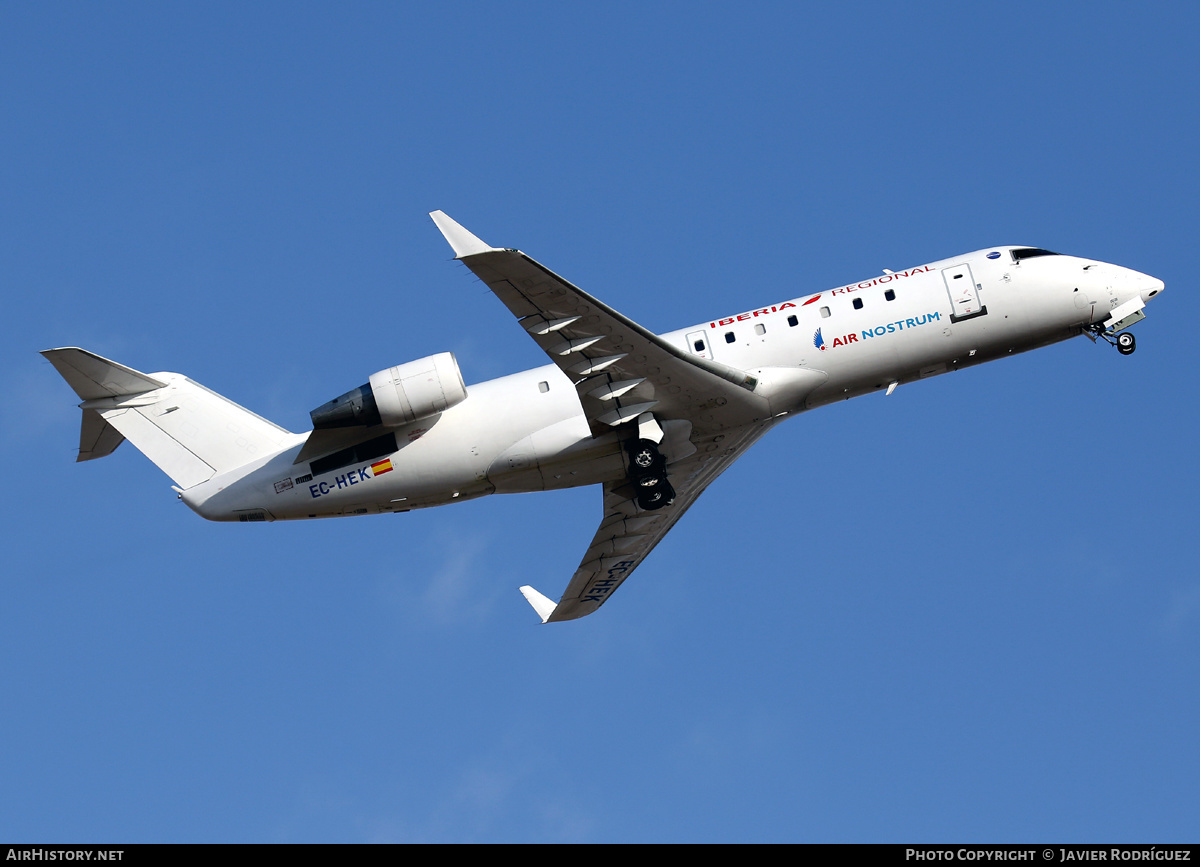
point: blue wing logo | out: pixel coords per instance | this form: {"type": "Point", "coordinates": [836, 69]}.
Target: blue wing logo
{"type": "Point", "coordinates": [818, 340]}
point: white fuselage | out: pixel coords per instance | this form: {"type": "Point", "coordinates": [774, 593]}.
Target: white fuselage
{"type": "Point", "coordinates": [527, 431]}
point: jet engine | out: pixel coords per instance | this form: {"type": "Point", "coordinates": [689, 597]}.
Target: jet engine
{"type": "Point", "coordinates": [397, 396]}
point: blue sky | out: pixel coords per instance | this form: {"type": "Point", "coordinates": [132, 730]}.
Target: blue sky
{"type": "Point", "coordinates": [967, 611]}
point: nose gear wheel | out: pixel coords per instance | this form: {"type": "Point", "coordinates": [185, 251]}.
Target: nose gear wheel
{"type": "Point", "coordinates": [1125, 342]}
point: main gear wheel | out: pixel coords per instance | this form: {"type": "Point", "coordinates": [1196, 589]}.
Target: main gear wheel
{"type": "Point", "coordinates": [648, 473]}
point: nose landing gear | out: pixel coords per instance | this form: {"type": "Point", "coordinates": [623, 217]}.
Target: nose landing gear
{"type": "Point", "coordinates": [1125, 342]}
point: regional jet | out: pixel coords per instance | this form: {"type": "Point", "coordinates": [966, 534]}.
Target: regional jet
{"type": "Point", "coordinates": [652, 419]}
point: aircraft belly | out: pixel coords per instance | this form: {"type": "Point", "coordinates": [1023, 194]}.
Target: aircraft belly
{"type": "Point", "coordinates": [882, 350]}
{"type": "Point", "coordinates": [928, 344]}
{"type": "Point", "coordinates": [562, 455]}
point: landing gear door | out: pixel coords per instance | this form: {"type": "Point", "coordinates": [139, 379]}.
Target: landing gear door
{"type": "Point", "coordinates": [698, 344]}
{"type": "Point", "coordinates": [964, 293]}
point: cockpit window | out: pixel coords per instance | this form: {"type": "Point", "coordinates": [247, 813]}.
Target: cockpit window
{"type": "Point", "coordinates": [1029, 253]}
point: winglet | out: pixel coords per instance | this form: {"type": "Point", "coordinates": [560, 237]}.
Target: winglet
{"type": "Point", "coordinates": [543, 606]}
{"type": "Point", "coordinates": [461, 241]}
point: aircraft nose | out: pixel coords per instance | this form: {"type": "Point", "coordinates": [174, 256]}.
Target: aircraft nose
{"type": "Point", "coordinates": [1130, 284]}
{"type": "Point", "coordinates": [1137, 283]}
{"type": "Point", "coordinates": [1148, 286]}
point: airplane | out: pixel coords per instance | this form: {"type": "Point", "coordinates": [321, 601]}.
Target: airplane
{"type": "Point", "coordinates": [654, 419]}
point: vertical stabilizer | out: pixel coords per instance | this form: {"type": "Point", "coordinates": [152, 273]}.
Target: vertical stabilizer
{"type": "Point", "coordinates": [189, 432]}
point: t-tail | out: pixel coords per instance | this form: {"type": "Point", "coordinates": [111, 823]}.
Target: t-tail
{"type": "Point", "coordinates": [191, 433]}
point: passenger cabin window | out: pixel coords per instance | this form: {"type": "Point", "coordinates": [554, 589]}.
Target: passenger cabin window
{"type": "Point", "coordinates": [890, 295]}
{"type": "Point", "coordinates": [793, 321]}
{"type": "Point", "coordinates": [1030, 253]}
{"type": "Point", "coordinates": [698, 346]}
{"type": "Point", "coordinates": [543, 387]}
{"type": "Point", "coordinates": [760, 329]}
{"type": "Point", "coordinates": [729, 338]}
{"type": "Point", "coordinates": [824, 312]}
{"type": "Point", "coordinates": [858, 304]}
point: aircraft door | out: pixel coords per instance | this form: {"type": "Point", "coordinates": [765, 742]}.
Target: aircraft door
{"type": "Point", "coordinates": [964, 293]}
{"type": "Point", "coordinates": [698, 344]}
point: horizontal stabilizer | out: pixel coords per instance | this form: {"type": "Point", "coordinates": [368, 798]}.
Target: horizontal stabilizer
{"type": "Point", "coordinates": [543, 606]}
{"type": "Point", "coordinates": [94, 377]}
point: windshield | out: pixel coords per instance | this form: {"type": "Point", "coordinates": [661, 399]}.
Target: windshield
{"type": "Point", "coordinates": [1029, 253]}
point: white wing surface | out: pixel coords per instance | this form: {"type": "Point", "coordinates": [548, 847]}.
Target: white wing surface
{"type": "Point", "coordinates": [627, 534]}
{"type": "Point", "coordinates": [621, 370]}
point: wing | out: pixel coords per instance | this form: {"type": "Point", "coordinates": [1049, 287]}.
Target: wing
{"type": "Point", "coordinates": [620, 369]}
{"type": "Point", "coordinates": [627, 534]}
{"type": "Point", "coordinates": [709, 411]}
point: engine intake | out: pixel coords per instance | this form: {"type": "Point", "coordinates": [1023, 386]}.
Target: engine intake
{"type": "Point", "coordinates": [397, 396]}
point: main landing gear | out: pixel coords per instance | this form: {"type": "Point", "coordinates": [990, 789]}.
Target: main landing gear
{"type": "Point", "coordinates": [648, 473]}
{"type": "Point", "coordinates": [1125, 342]}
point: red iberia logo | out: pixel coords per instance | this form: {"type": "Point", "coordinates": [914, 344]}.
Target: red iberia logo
{"type": "Point", "coordinates": [384, 466]}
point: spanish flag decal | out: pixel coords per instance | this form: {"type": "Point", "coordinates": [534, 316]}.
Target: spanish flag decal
{"type": "Point", "coordinates": [382, 467]}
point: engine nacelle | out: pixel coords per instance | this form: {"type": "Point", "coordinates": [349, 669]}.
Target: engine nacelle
{"type": "Point", "coordinates": [398, 395]}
